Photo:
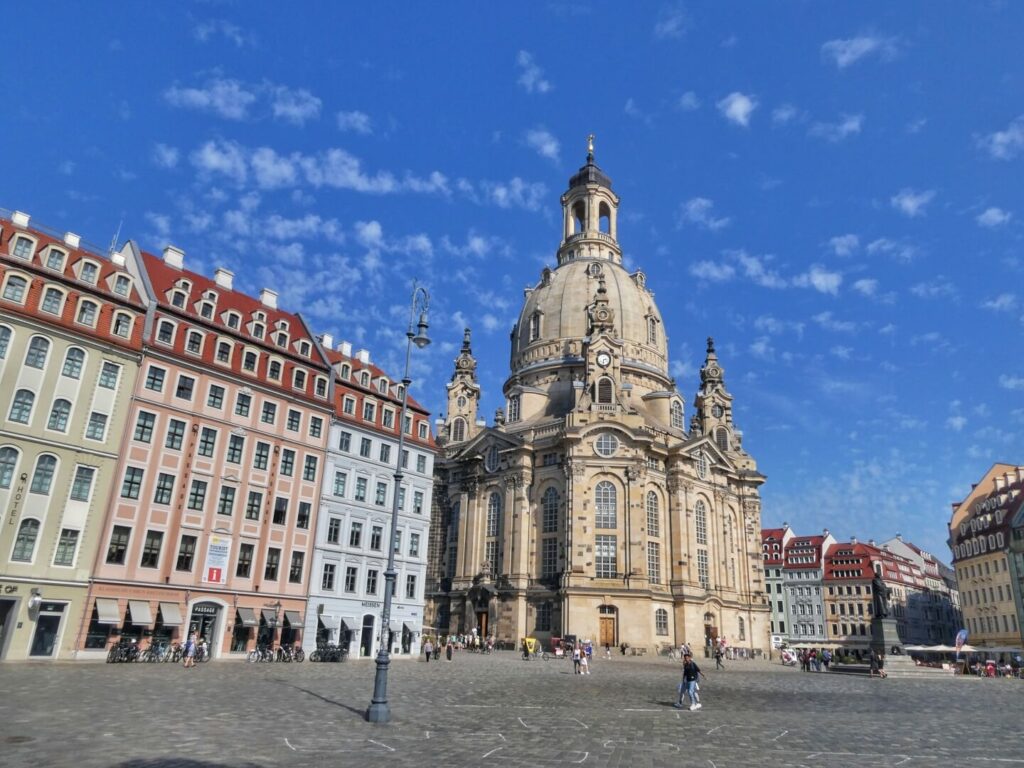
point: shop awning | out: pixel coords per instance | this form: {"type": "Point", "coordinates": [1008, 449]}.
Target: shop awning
{"type": "Point", "coordinates": [294, 619]}
{"type": "Point", "coordinates": [248, 617]}
{"type": "Point", "coordinates": [142, 616]}
{"type": "Point", "coordinates": [412, 626]}
{"type": "Point", "coordinates": [326, 619]}
{"type": "Point", "coordinates": [170, 616]}
{"type": "Point", "coordinates": [395, 625]}
{"type": "Point", "coordinates": [108, 611]}
{"type": "Point", "coordinates": [349, 622]}
{"type": "Point", "coordinates": [269, 616]}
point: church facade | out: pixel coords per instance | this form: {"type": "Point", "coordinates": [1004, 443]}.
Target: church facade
{"type": "Point", "coordinates": [590, 508]}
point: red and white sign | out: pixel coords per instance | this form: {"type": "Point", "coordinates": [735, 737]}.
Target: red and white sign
{"type": "Point", "coordinates": [218, 550]}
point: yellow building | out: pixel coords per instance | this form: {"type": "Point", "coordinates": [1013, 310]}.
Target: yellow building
{"type": "Point", "coordinates": [589, 508]}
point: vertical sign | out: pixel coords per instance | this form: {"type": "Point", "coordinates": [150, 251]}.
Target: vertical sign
{"type": "Point", "coordinates": [217, 551]}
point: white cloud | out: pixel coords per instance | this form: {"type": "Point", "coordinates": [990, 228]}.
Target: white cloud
{"type": "Point", "coordinates": [355, 121]}
{"type": "Point", "coordinates": [165, 156]}
{"type": "Point", "coordinates": [993, 217]}
{"type": "Point", "coordinates": [688, 102]}
{"type": "Point", "coordinates": [1011, 382]}
{"type": "Point", "coordinates": [848, 125]}
{"type": "Point", "coordinates": [762, 348]}
{"type": "Point", "coordinates": [901, 251]}
{"type": "Point", "coordinates": [490, 323]}
{"type": "Point", "coordinates": [229, 99]}
{"type": "Point", "coordinates": [843, 353]}
{"type": "Point", "coordinates": [754, 268]}
{"type": "Point", "coordinates": [1004, 302]}
{"type": "Point", "coordinates": [737, 108]}
{"type": "Point", "coordinates": [828, 322]}
{"type": "Point", "coordinates": [272, 170]}
{"type": "Point", "coordinates": [223, 158]}
{"type": "Point", "coordinates": [294, 106]}
{"type": "Point", "coordinates": [205, 31]}
{"type": "Point", "coordinates": [820, 279]}
{"type": "Point", "coordinates": [785, 114]}
{"type": "Point", "coordinates": [531, 76]}
{"type": "Point", "coordinates": [713, 272]}
{"type": "Point", "coordinates": [514, 193]}
{"type": "Point", "coordinates": [912, 203]}
{"type": "Point", "coordinates": [956, 423]}
{"type": "Point", "coordinates": [67, 167]}
{"type": "Point", "coordinates": [936, 288]}
{"type": "Point", "coordinates": [1005, 145]}
{"type": "Point", "coordinates": [698, 210]}
{"type": "Point", "coordinates": [672, 22]}
{"type": "Point", "coordinates": [866, 286]}
{"type": "Point", "coordinates": [774, 326]}
{"type": "Point", "coordinates": [160, 222]}
{"type": "Point", "coordinates": [848, 51]}
{"type": "Point", "coordinates": [844, 245]}
{"type": "Point", "coordinates": [543, 142]}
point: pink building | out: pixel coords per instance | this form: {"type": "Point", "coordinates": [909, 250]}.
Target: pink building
{"type": "Point", "coordinates": [210, 525]}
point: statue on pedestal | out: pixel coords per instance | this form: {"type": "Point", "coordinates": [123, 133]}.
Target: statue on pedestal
{"type": "Point", "coordinates": [880, 596]}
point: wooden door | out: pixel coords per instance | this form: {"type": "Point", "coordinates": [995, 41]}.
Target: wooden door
{"type": "Point", "coordinates": [607, 636]}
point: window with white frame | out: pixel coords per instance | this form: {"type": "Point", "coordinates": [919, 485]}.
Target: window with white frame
{"type": "Point", "coordinates": [605, 503]}
{"type": "Point", "coordinates": [493, 513]}
{"type": "Point", "coordinates": [700, 521]}
{"type": "Point", "coordinates": [653, 517]}
{"type": "Point", "coordinates": [661, 621]}
{"type": "Point", "coordinates": [549, 511]}
{"type": "Point", "coordinates": [549, 556]}
{"type": "Point", "coordinates": [654, 562]}
{"type": "Point", "coordinates": [605, 560]}
{"type": "Point", "coordinates": [703, 575]}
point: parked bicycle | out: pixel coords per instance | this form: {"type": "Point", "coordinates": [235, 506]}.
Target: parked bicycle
{"type": "Point", "coordinates": [290, 653]}
{"type": "Point", "coordinates": [124, 650]}
{"type": "Point", "coordinates": [329, 652]}
{"type": "Point", "coordinates": [261, 653]}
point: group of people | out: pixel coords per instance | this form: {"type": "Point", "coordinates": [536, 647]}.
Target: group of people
{"type": "Point", "coordinates": [815, 659]}
{"type": "Point", "coordinates": [432, 650]}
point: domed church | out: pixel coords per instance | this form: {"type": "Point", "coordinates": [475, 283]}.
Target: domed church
{"type": "Point", "coordinates": [590, 508]}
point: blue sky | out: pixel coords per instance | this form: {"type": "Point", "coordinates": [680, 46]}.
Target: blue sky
{"type": "Point", "coordinates": [833, 193]}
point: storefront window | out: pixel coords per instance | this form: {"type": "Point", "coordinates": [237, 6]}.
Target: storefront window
{"type": "Point", "coordinates": [240, 636]}
{"type": "Point", "coordinates": [98, 634]}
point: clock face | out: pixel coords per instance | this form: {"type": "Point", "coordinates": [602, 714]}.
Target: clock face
{"type": "Point", "coordinates": [717, 411]}
{"type": "Point", "coordinates": [604, 359]}
{"type": "Point", "coordinates": [714, 370]}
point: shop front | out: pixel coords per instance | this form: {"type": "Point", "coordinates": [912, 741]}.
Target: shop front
{"type": "Point", "coordinates": [37, 620]}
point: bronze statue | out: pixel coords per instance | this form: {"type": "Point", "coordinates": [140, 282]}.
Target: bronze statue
{"type": "Point", "coordinates": [880, 596]}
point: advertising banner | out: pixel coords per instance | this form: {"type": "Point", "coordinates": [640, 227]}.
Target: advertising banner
{"type": "Point", "coordinates": [218, 550]}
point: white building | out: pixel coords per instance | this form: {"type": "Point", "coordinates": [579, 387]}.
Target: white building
{"type": "Point", "coordinates": [803, 580]}
{"type": "Point", "coordinates": [353, 525]}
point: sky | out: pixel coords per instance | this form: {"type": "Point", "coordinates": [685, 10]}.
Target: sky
{"type": "Point", "coordinates": [833, 192]}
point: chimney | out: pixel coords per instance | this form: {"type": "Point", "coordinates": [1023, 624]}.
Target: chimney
{"type": "Point", "coordinates": [224, 278]}
{"type": "Point", "coordinates": [174, 257]}
{"type": "Point", "coordinates": [327, 340]}
{"type": "Point", "coordinates": [71, 239]}
{"type": "Point", "coordinates": [872, 542]}
{"type": "Point", "coordinates": [20, 219]}
{"type": "Point", "coordinates": [363, 356]}
{"type": "Point", "coordinates": [999, 482]}
{"type": "Point", "coordinates": [825, 533]}
{"type": "Point", "coordinates": [117, 259]}
{"type": "Point", "coordinates": [345, 347]}
{"type": "Point", "coordinates": [268, 298]}
{"type": "Point", "coordinates": [899, 537]}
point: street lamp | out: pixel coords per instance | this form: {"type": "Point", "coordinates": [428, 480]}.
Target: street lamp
{"type": "Point", "coordinates": [379, 711]}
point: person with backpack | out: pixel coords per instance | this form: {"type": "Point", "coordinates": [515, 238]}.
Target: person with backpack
{"type": "Point", "coordinates": [688, 687]}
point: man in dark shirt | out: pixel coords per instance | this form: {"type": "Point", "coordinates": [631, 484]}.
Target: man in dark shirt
{"type": "Point", "coordinates": [691, 673]}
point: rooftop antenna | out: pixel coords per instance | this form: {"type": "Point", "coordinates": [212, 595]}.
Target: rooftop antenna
{"type": "Point", "coordinates": [117, 236]}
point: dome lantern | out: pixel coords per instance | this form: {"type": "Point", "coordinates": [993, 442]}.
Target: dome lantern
{"type": "Point", "coordinates": [589, 215]}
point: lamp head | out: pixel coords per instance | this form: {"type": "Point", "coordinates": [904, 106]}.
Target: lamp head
{"type": "Point", "coordinates": [420, 339]}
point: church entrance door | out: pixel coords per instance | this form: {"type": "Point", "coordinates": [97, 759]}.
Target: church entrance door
{"type": "Point", "coordinates": [481, 623]}
{"type": "Point", "coordinates": [607, 635]}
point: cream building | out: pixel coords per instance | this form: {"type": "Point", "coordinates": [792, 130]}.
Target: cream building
{"type": "Point", "coordinates": [589, 508]}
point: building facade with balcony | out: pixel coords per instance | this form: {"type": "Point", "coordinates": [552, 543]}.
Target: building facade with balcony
{"type": "Point", "coordinates": [589, 508]}
{"type": "Point", "coordinates": [210, 525]}
{"type": "Point", "coordinates": [71, 328]}
{"type": "Point", "coordinates": [354, 522]}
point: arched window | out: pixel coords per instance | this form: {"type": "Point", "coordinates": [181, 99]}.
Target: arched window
{"type": "Point", "coordinates": [21, 408]}
{"type": "Point", "coordinates": [579, 216]}
{"type": "Point", "coordinates": [87, 313]}
{"type": "Point", "coordinates": [513, 408]}
{"type": "Point", "coordinates": [346, 369]}
{"type": "Point", "coordinates": [59, 415]}
{"type": "Point", "coordinates": [8, 463]}
{"type": "Point", "coordinates": [38, 349]}
{"type": "Point", "coordinates": [122, 325]}
{"type": "Point", "coordinates": [364, 379]}
{"type": "Point", "coordinates": [700, 521]}
{"type": "Point", "coordinates": [165, 332]}
{"type": "Point", "coordinates": [25, 543]}
{"type": "Point", "coordinates": [702, 465]}
{"type": "Point", "coordinates": [53, 300]}
{"type": "Point", "coordinates": [5, 341]}
{"type": "Point", "coordinates": [15, 288]}
{"type": "Point", "coordinates": [458, 430]}
{"type": "Point", "coordinates": [535, 326]}
{"type": "Point", "coordinates": [604, 390]}
{"type": "Point", "coordinates": [661, 621]}
{"type": "Point", "coordinates": [742, 629]}
{"type": "Point", "coordinates": [605, 503]}
{"type": "Point", "coordinates": [653, 518]}
{"type": "Point", "coordinates": [493, 514]}
{"type": "Point", "coordinates": [676, 411]}
{"type": "Point", "coordinates": [194, 342]}
{"type": "Point", "coordinates": [549, 511]}
{"type": "Point", "coordinates": [604, 218]}
{"type": "Point", "coordinates": [73, 362]}
{"type": "Point", "coordinates": [652, 331]}
{"type": "Point", "coordinates": [722, 438]}
{"type": "Point", "coordinates": [42, 478]}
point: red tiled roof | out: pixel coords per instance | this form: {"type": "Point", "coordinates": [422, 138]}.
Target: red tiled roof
{"type": "Point", "coordinates": [769, 538]}
{"type": "Point", "coordinates": [802, 546]}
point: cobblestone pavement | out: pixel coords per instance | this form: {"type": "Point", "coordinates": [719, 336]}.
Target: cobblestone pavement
{"type": "Point", "coordinates": [498, 710]}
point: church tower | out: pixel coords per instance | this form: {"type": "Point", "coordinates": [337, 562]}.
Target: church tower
{"type": "Point", "coordinates": [587, 508]}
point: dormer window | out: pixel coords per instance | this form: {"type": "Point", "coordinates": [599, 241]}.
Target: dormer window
{"type": "Point", "coordinates": [382, 386]}
{"type": "Point", "coordinates": [513, 408]}
{"type": "Point", "coordinates": [53, 300]}
{"type": "Point", "coordinates": [122, 325]}
{"type": "Point", "coordinates": [249, 360]}
{"type": "Point", "coordinates": [87, 313]}
{"type": "Point", "coordinates": [346, 371]}
{"type": "Point", "coordinates": [206, 310]}
{"type": "Point", "coordinates": [194, 344]}
{"type": "Point", "coordinates": [258, 330]}
{"type": "Point", "coordinates": [281, 339]}
{"type": "Point", "coordinates": [259, 317]}
{"type": "Point", "coordinates": [676, 410]}
{"type": "Point", "coordinates": [55, 259]}
{"type": "Point", "coordinates": [274, 370]}
{"type": "Point", "coordinates": [535, 326]}
{"type": "Point", "coordinates": [122, 285]}
{"type": "Point", "coordinates": [364, 378]}
{"type": "Point", "coordinates": [321, 386]}
{"type": "Point", "coordinates": [210, 296]}
{"type": "Point", "coordinates": [178, 299]}
{"type": "Point", "coordinates": [652, 330]}
{"type": "Point", "coordinates": [23, 247]}
{"type": "Point", "coordinates": [89, 272]}
{"type": "Point", "coordinates": [400, 392]}
{"type": "Point", "coordinates": [233, 320]}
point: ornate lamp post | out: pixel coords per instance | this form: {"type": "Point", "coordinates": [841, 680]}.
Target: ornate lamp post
{"type": "Point", "coordinates": [379, 711]}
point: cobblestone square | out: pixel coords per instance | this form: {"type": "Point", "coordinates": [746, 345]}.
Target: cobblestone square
{"type": "Point", "coordinates": [498, 710]}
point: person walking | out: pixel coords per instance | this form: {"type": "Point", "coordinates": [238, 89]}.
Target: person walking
{"type": "Point", "coordinates": [428, 649]}
{"type": "Point", "coordinates": [576, 660]}
{"type": "Point", "coordinates": [190, 651]}
{"type": "Point", "coordinates": [718, 658]}
{"type": "Point", "coordinates": [688, 687]}
{"type": "Point", "coordinates": [607, 651]}
{"type": "Point", "coordinates": [584, 664]}
{"type": "Point", "coordinates": [448, 651]}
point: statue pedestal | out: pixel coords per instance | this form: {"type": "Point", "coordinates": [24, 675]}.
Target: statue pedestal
{"type": "Point", "coordinates": [885, 636]}
{"type": "Point", "coordinates": [885, 639]}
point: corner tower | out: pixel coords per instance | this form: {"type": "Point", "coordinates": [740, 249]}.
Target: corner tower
{"type": "Point", "coordinates": [460, 422]}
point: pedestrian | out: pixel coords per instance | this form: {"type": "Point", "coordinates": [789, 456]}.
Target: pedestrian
{"type": "Point", "coordinates": [608, 651]}
{"type": "Point", "coordinates": [881, 665]}
{"type": "Point", "coordinates": [428, 649]}
{"type": "Point", "coordinates": [448, 651]}
{"type": "Point", "coordinates": [622, 649]}
{"type": "Point", "coordinates": [576, 660]}
{"type": "Point", "coordinates": [584, 664]}
{"type": "Point", "coordinates": [826, 658]}
{"type": "Point", "coordinates": [718, 658]}
{"type": "Point", "coordinates": [190, 651]}
{"type": "Point", "coordinates": [689, 686]}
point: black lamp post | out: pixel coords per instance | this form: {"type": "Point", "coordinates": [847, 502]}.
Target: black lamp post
{"type": "Point", "coordinates": [379, 711]}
